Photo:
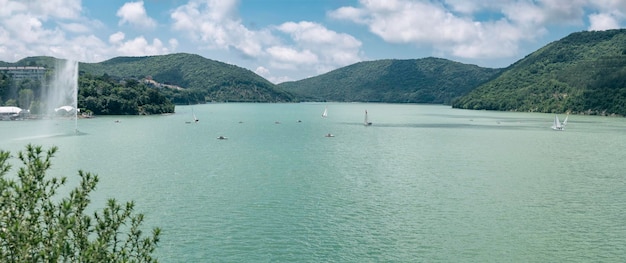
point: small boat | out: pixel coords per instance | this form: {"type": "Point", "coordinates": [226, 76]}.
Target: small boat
{"type": "Point", "coordinates": [366, 122]}
{"type": "Point", "coordinates": [325, 113]}
{"type": "Point", "coordinates": [195, 119]}
{"type": "Point", "coordinates": [222, 138]}
{"type": "Point", "coordinates": [329, 135]}
{"type": "Point", "coordinates": [557, 125]}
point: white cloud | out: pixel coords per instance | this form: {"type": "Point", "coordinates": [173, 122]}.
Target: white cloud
{"type": "Point", "coordinates": [215, 25]}
{"type": "Point", "coordinates": [288, 56]}
{"type": "Point", "coordinates": [75, 27]}
{"type": "Point", "coordinates": [64, 9]}
{"type": "Point", "coordinates": [417, 22]}
{"type": "Point", "coordinates": [349, 13]}
{"type": "Point", "coordinates": [173, 43]}
{"type": "Point", "coordinates": [474, 28]}
{"type": "Point", "coordinates": [315, 34]}
{"type": "Point", "coordinates": [262, 71]}
{"type": "Point", "coordinates": [57, 28]}
{"type": "Point", "coordinates": [602, 22]}
{"type": "Point", "coordinates": [139, 46]}
{"type": "Point", "coordinates": [317, 45]}
{"type": "Point", "coordinates": [117, 37]}
{"type": "Point", "coordinates": [135, 14]}
{"type": "Point", "coordinates": [11, 7]}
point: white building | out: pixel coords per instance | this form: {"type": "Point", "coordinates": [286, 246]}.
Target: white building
{"type": "Point", "coordinates": [21, 73]}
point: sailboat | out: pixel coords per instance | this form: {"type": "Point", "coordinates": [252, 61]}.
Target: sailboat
{"type": "Point", "coordinates": [195, 119]}
{"type": "Point", "coordinates": [366, 122]}
{"type": "Point", "coordinates": [325, 113]}
{"type": "Point", "coordinates": [557, 125]}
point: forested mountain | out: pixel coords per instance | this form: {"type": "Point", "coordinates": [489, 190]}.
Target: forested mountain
{"type": "Point", "coordinates": [584, 72]}
{"type": "Point", "coordinates": [197, 76]}
{"type": "Point", "coordinates": [105, 96]}
{"type": "Point", "coordinates": [428, 80]}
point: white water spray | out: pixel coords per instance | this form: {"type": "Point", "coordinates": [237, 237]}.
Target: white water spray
{"type": "Point", "coordinates": [62, 94]}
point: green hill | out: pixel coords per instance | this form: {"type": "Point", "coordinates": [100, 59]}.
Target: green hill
{"type": "Point", "coordinates": [584, 72]}
{"type": "Point", "coordinates": [214, 80]}
{"type": "Point", "coordinates": [100, 95]}
{"type": "Point", "coordinates": [428, 80]}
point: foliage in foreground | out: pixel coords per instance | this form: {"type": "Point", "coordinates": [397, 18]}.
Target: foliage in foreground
{"type": "Point", "coordinates": [38, 226]}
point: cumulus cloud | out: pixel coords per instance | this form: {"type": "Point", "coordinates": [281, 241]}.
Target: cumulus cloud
{"type": "Point", "coordinates": [215, 25]}
{"type": "Point", "coordinates": [421, 22]}
{"type": "Point", "coordinates": [141, 46]}
{"type": "Point", "coordinates": [462, 29]}
{"type": "Point", "coordinates": [59, 28]}
{"type": "Point", "coordinates": [286, 57]}
{"type": "Point", "coordinates": [315, 44]}
{"type": "Point", "coordinates": [40, 27]}
{"type": "Point", "coordinates": [117, 37]}
{"type": "Point", "coordinates": [75, 27]}
{"type": "Point", "coordinates": [135, 14]}
{"type": "Point", "coordinates": [262, 71]}
{"type": "Point", "coordinates": [602, 22]}
{"type": "Point", "coordinates": [173, 43]}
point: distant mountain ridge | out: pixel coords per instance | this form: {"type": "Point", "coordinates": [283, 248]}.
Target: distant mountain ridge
{"type": "Point", "coordinates": [427, 80]}
{"type": "Point", "coordinates": [584, 72]}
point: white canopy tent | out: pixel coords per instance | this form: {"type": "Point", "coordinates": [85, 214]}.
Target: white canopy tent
{"type": "Point", "coordinates": [10, 112]}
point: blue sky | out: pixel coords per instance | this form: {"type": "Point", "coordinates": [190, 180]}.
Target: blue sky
{"type": "Point", "coordinates": [285, 40]}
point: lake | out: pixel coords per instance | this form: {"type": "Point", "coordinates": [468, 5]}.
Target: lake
{"type": "Point", "coordinates": [424, 183]}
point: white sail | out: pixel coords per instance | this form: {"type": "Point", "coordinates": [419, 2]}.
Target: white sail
{"type": "Point", "coordinates": [565, 121]}
{"type": "Point", "coordinates": [366, 121]}
{"type": "Point", "coordinates": [557, 126]}
{"type": "Point", "coordinates": [195, 119]}
{"type": "Point", "coordinates": [325, 114]}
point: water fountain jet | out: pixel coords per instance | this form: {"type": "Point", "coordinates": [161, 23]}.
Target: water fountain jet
{"type": "Point", "coordinates": [61, 98]}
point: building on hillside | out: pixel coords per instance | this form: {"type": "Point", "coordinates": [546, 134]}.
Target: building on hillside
{"type": "Point", "coordinates": [21, 73]}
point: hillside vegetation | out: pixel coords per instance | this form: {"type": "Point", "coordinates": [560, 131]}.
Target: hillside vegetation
{"type": "Point", "coordinates": [100, 95]}
{"type": "Point", "coordinates": [104, 96]}
{"type": "Point", "coordinates": [428, 80]}
{"type": "Point", "coordinates": [200, 79]}
{"type": "Point", "coordinates": [584, 72]}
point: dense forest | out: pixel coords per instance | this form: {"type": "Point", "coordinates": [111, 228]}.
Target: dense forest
{"type": "Point", "coordinates": [582, 73]}
{"type": "Point", "coordinates": [106, 96]}
{"type": "Point", "coordinates": [428, 80]}
{"type": "Point", "coordinates": [201, 79]}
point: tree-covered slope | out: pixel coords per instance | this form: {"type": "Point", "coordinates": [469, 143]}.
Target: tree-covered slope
{"type": "Point", "coordinates": [216, 81]}
{"type": "Point", "coordinates": [584, 72]}
{"type": "Point", "coordinates": [428, 80]}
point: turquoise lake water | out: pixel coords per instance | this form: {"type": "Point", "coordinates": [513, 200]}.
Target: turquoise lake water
{"type": "Point", "coordinates": [424, 183]}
